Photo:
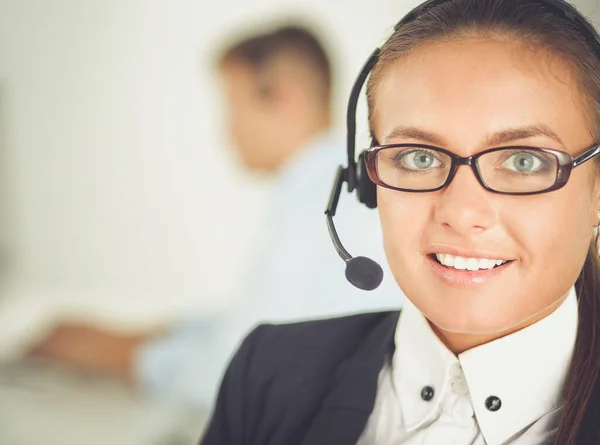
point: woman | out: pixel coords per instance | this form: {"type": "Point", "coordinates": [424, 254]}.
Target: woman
{"type": "Point", "coordinates": [485, 117]}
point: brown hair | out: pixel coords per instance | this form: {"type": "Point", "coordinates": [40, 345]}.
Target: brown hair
{"type": "Point", "coordinates": [292, 40]}
{"type": "Point", "coordinates": [539, 28]}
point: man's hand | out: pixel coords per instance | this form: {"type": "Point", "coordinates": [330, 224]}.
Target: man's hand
{"type": "Point", "coordinates": [91, 349]}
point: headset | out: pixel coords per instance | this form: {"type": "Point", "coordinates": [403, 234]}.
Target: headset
{"type": "Point", "coordinates": [361, 271]}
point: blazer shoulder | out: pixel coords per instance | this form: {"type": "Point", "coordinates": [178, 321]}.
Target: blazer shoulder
{"type": "Point", "coordinates": [280, 373]}
{"type": "Point", "coordinates": [294, 353]}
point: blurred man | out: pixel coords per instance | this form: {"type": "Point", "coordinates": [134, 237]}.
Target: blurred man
{"type": "Point", "coordinates": [278, 94]}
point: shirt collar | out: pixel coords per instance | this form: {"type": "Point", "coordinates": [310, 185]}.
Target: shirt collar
{"type": "Point", "coordinates": [421, 360]}
{"type": "Point", "coordinates": [525, 370]}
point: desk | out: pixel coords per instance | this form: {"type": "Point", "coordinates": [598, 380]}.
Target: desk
{"type": "Point", "coordinates": [43, 405]}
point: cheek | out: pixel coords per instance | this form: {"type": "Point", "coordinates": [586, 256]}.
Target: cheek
{"type": "Point", "coordinates": [554, 230]}
{"type": "Point", "coordinates": [258, 126]}
{"type": "Point", "coordinates": [243, 118]}
{"type": "Point", "coordinates": [404, 217]}
{"type": "Point", "coordinates": [237, 125]}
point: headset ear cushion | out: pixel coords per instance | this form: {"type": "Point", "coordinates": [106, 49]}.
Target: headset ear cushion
{"type": "Point", "coordinates": [365, 188]}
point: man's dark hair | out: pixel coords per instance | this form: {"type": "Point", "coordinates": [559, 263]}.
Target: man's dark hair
{"type": "Point", "coordinates": [291, 40]}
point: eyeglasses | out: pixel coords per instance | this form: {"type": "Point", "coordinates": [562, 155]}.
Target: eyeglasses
{"type": "Point", "coordinates": [504, 170]}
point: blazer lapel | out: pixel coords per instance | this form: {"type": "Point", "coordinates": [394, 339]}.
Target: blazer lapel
{"type": "Point", "coordinates": [342, 416]}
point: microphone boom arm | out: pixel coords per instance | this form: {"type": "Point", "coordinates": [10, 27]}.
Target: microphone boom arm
{"type": "Point", "coordinates": [334, 198]}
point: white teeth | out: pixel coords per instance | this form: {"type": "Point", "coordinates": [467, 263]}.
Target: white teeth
{"type": "Point", "coordinates": [461, 263]}
{"type": "Point", "coordinates": [472, 264]}
{"type": "Point", "coordinates": [486, 264]}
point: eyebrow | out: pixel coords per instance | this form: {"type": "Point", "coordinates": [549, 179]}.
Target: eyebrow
{"type": "Point", "coordinates": [414, 133]}
{"type": "Point", "coordinates": [494, 139]}
{"type": "Point", "coordinates": [510, 135]}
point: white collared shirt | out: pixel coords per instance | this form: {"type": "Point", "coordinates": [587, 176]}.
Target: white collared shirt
{"type": "Point", "coordinates": [508, 391]}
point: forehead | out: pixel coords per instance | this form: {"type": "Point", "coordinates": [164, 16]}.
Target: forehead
{"type": "Point", "coordinates": [466, 90]}
{"type": "Point", "coordinates": [238, 78]}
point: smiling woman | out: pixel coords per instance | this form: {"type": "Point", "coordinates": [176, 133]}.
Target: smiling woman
{"type": "Point", "coordinates": [485, 118]}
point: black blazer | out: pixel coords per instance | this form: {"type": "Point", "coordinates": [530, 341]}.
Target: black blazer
{"type": "Point", "coordinates": [306, 383]}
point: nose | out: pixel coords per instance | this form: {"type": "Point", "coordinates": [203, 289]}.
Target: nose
{"type": "Point", "coordinates": [464, 206]}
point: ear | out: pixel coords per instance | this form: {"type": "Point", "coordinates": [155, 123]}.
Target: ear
{"type": "Point", "coordinates": [596, 190]}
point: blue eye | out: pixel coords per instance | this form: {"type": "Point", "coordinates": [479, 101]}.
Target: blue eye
{"type": "Point", "coordinates": [419, 160]}
{"type": "Point", "coordinates": [524, 162]}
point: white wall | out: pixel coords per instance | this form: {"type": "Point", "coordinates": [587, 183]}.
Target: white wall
{"type": "Point", "coordinates": [121, 188]}
{"type": "Point", "coordinates": [119, 193]}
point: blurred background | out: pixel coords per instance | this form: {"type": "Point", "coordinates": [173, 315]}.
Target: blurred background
{"type": "Point", "coordinates": [122, 204]}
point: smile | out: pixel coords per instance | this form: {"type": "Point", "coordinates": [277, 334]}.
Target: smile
{"type": "Point", "coordinates": [472, 264]}
{"type": "Point", "coordinates": [459, 271]}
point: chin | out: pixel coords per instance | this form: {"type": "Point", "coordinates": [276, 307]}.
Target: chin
{"type": "Point", "coordinates": [253, 166]}
{"type": "Point", "coordinates": [470, 318]}
{"type": "Point", "coordinates": [465, 310]}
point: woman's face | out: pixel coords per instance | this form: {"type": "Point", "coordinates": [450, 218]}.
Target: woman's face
{"type": "Point", "coordinates": [468, 96]}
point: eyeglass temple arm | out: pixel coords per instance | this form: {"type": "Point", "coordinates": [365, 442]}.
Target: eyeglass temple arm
{"type": "Point", "coordinates": [586, 155]}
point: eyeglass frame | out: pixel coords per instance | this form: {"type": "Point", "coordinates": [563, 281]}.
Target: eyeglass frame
{"type": "Point", "coordinates": [566, 163]}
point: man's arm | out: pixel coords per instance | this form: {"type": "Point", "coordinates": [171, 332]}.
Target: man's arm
{"type": "Point", "coordinates": [92, 350]}
{"type": "Point", "coordinates": [185, 362]}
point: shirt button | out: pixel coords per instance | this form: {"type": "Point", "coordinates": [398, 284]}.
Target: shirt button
{"type": "Point", "coordinates": [427, 393]}
{"type": "Point", "coordinates": [493, 403]}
